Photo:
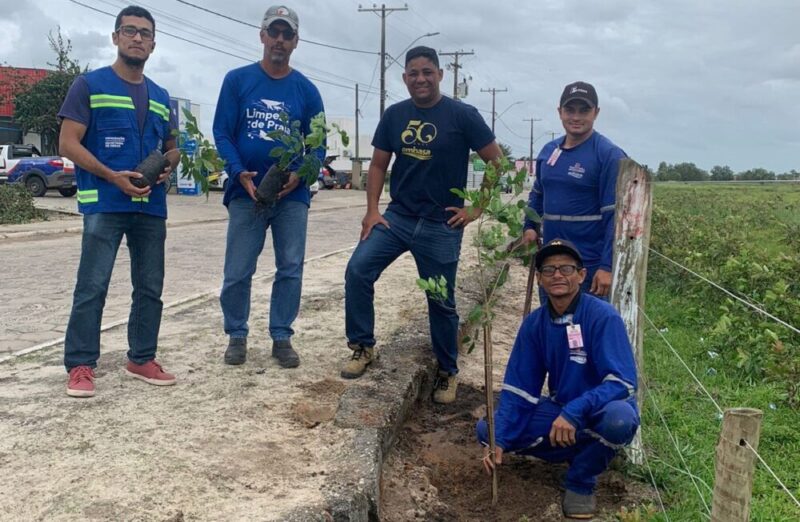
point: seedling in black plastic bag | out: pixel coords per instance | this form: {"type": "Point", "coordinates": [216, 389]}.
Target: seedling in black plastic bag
{"type": "Point", "coordinates": [150, 168]}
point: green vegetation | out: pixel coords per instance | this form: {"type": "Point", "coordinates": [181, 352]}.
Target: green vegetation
{"type": "Point", "coordinates": [16, 205]}
{"type": "Point", "coordinates": [744, 238]}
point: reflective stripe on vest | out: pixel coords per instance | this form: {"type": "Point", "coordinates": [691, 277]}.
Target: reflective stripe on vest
{"type": "Point", "coordinates": [556, 217]}
{"type": "Point", "coordinates": [87, 196]}
{"type": "Point", "coordinates": [140, 200]}
{"type": "Point", "coordinates": [160, 109]}
{"type": "Point", "coordinates": [98, 101]}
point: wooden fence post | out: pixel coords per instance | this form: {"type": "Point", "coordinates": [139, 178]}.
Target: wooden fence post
{"type": "Point", "coordinates": [634, 197]}
{"type": "Point", "coordinates": [734, 464]}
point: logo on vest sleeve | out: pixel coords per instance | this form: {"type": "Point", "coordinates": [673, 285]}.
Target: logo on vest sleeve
{"type": "Point", "coordinates": [114, 142]}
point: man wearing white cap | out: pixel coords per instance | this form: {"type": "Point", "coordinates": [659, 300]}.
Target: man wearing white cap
{"type": "Point", "coordinates": [251, 102]}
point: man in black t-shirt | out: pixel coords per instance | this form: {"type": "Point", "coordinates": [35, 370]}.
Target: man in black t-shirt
{"type": "Point", "coordinates": [430, 136]}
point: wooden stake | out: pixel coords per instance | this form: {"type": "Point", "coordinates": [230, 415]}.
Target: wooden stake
{"type": "Point", "coordinates": [629, 274]}
{"type": "Point", "coordinates": [734, 465]}
{"type": "Point", "coordinates": [487, 357]}
{"type": "Point", "coordinates": [529, 289]}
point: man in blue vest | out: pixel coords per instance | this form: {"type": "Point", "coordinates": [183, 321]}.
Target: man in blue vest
{"type": "Point", "coordinates": [575, 188]}
{"type": "Point", "coordinates": [112, 118]}
{"type": "Point", "coordinates": [579, 343]}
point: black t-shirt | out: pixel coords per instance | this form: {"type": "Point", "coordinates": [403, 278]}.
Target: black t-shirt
{"type": "Point", "coordinates": [431, 148]}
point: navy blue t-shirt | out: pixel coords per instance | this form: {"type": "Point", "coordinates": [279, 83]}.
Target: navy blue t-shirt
{"type": "Point", "coordinates": [431, 148]}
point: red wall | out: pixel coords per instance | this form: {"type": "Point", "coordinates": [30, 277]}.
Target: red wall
{"type": "Point", "coordinates": [8, 77]}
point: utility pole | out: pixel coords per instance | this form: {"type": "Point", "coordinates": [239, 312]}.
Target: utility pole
{"type": "Point", "coordinates": [494, 92]}
{"type": "Point", "coordinates": [456, 66]}
{"type": "Point", "coordinates": [384, 12]}
{"type": "Point", "coordinates": [357, 111]}
{"type": "Point", "coordinates": [530, 155]}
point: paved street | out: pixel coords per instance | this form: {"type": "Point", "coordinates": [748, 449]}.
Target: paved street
{"type": "Point", "coordinates": [40, 260]}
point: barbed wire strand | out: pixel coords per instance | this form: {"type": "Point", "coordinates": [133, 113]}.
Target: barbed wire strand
{"type": "Point", "coordinates": [719, 409]}
{"type": "Point", "coordinates": [772, 472]}
{"type": "Point", "coordinates": [731, 294]}
{"type": "Point", "coordinates": [655, 486]}
{"type": "Point", "coordinates": [678, 450]}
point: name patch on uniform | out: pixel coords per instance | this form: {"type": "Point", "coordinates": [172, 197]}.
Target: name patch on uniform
{"type": "Point", "coordinates": [576, 171]}
{"type": "Point", "coordinates": [115, 142]}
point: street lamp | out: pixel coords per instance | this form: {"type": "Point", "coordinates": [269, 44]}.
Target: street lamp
{"type": "Point", "coordinates": [507, 108]}
{"type": "Point", "coordinates": [418, 38]}
{"type": "Point", "coordinates": [384, 66]}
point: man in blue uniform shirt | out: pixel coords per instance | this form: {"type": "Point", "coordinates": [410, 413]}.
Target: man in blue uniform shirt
{"type": "Point", "coordinates": [430, 136]}
{"type": "Point", "coordinates": [579, 342]}
{"type": "Point", "coordinates": [113, 117]}
{"type": "Point", "coordinates": [251, 102]}
{"type": "Point", "coordinates": [574, 190]}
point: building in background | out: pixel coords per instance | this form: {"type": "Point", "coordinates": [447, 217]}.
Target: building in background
{"type": "Point", "coordinates": [10, 78]}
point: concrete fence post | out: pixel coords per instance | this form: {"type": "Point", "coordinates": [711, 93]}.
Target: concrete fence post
{"type": "Point", "coordinates": [734, 465]}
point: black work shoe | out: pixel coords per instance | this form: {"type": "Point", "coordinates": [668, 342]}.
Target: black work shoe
{"type": "Point", "coordinates": [283, 351]}
{"type": "Point", "coordinates": [236, 353]}
{"type": "Point", "coordinates": [578, 506]}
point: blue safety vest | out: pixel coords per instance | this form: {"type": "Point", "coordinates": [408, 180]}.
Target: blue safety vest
{"type": "Point", "coordinates": [114, 138]}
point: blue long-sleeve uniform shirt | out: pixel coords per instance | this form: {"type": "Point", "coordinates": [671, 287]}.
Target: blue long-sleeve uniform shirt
{"type": "Point", "coordinates": [250, 105]}
{"type": "Point", "coordinates": [581, 380]}
{"type": "Point", "coordinates": [575, 196]}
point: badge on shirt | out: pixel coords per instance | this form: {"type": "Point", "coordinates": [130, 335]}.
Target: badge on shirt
{"type": "Point", "coordinates": [554, 156]}
{"type": "Point", "coordinates": [574, 337]}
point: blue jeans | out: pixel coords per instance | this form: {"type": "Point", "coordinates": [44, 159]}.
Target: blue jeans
{"type": "Point", "coordinates": [247, 231]}
{"type": "Point", "coordinates": [102, 234]}
{"type": "Point", "coordinates": [606, 432]}
{"type": "Point", "coordinates": [436, 248]}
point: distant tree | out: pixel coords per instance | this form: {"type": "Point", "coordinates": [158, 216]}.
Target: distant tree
{"type": "Point", "coordinates": [36, 106]}
{"type": "Point", "coordinates": [756, 174]}
{"type": "Point", "coordinates": [690, 172]}
{"type": "Point", "coordinates": [792, 174]}
{"type": "Point", "coordinates": [503, 147]}
{"type": "Point", "coordinates": [719, 173]}
{"type": "Point", "coordinates": [666, 172]}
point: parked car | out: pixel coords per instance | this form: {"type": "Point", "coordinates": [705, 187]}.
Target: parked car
{"type": "Point", "coordinates": [221, 183]}
{"type": "Point", "coordinates": [25, 164]}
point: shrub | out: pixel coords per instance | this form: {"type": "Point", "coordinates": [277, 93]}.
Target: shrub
{"type": "Point", "coordinates": [16, 205]}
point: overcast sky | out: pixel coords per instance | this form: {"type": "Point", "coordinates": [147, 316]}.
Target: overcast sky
{"type": "Point", "coordinates": [714, 82]}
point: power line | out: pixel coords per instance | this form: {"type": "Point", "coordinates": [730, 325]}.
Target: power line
{"type": "Point", "coordinates": [494, 93]}
{"type": "Point", "coordinates": [456, 67]}
{"type": "Point", "coordinates": [384, 12]}
{"type": "Point", "coordinates": [312, 42]}
{"type": "Point", "coordinates": [313, 77]}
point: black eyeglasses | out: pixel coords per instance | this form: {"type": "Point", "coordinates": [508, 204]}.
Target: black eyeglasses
{"type": "Point", "coordinates": [131, 30]}
{"type": "Point", "coordinates": [550, 270]}
{"type": "Point", "coordinates": [287, 33]}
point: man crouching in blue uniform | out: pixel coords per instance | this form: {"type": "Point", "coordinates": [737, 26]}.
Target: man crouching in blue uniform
{"type": "Point", "coordinates": [580, 343]}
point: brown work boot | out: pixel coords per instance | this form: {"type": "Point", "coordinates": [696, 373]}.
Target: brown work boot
{"type": "Point", "coordinates": [444, 388]}
{"type": "Point", "coordinates": [361, 358]}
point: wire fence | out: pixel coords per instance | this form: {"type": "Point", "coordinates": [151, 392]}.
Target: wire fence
{"type": "Point", "coordinates": [696, 481]}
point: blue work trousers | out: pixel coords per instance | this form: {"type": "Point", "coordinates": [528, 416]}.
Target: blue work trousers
{"type": "Point", "coordinates": [607, 431]}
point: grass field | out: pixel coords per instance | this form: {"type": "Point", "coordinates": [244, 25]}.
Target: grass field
{"type": "Point", "coordinates": [747, 239]}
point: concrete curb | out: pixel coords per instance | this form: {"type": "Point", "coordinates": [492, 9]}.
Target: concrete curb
{"type": "Point", "coordinates": [376, 407]}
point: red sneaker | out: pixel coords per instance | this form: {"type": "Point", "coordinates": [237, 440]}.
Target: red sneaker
{"type": "Point", "coordinates": [150, 372]}
{"type": "Point", "coordinates": [81, 382]}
